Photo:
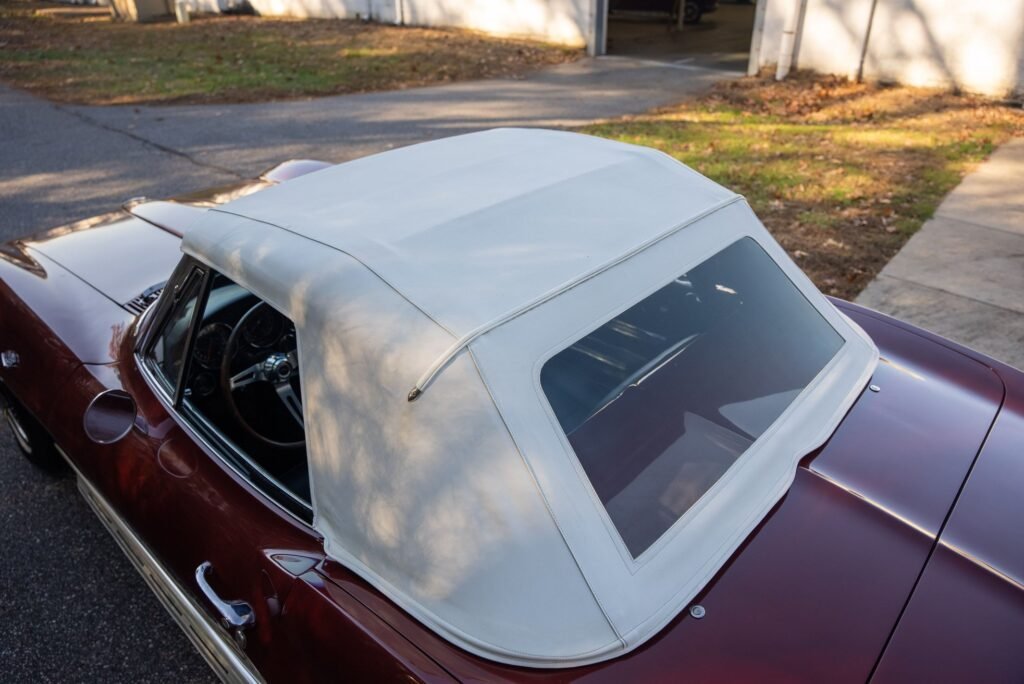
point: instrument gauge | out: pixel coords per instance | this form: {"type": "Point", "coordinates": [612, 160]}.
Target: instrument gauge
{"type": "Point", "coordinates": [210, 345]}
{"type": "Point", "coordinates": [263, 328]}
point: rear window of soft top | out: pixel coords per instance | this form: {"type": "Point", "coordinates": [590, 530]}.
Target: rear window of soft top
{"type": "Point", "coordinates": [659, 402]}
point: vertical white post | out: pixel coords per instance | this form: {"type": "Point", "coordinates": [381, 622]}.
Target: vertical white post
{"type": "Point", "coordinates": [181, 11]}
{"type": "Point", "coordinates": [754, 64]}
{"type": "Point", "coordinates": [788, 44]}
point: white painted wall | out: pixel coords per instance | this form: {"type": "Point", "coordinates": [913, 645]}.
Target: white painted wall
{"type": "Point", "coordinates": [212, 5]}
{"type": "Point", "coordinates": [833, 35]}
{"type": "Point", "coordinates": [377, 10]}
{"type": "Point", "coordinates": [977, 46]}
{"type": "Point", "coordinates": [558, 21]}
{"type": "Point", "coordinates": [775, 13]}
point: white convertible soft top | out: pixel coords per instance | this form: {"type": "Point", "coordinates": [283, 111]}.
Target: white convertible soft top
{"type": "Point", "coordinates": [456, 268]}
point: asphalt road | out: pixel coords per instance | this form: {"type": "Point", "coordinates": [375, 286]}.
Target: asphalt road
{"type": "Point", "coordinates": [71, 606]}
{"type": "Point", "coordinates": [61, 163]}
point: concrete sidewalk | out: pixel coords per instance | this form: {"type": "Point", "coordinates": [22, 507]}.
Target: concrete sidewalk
{"type": "Point", "coordinates": [962, 274]}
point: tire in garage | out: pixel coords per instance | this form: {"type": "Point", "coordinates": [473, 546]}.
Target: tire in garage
{"type": "Point", "coordinates": [691, 12]}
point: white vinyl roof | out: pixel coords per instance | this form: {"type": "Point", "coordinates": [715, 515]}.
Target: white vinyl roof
{"type": "Point", "coordinates": [458, 267]}
{"type": "Point", "coordinates": [476, 214]}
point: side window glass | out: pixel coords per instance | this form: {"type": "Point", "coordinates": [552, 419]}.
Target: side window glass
{"type": "Point", "coordinates": [232, 362]}
{"type": "Point", "coordinates": [243, 373]}
{"type": "Point", "coordinates": [242, 387]}
{"type": "Point", "coordinates": [169, 349]}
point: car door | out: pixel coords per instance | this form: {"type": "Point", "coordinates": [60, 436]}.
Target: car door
{"type": "Point", "coordinates": [213, 526]}
{"type": "Point", "coordinates": [214, 519]}
{"type": "Point", "coordinates": [232, 531]}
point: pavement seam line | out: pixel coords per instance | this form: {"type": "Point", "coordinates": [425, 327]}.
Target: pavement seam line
{"type": "Point", "coordinates": [975, 224]}
{"type": "Point", "coordinates": [146, 141]}
{"type": "Point", "coordinates": [952, 294]}
{"type": "Point", "coordinates": [672, 65]}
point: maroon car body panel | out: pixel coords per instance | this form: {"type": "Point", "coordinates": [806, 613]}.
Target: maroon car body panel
{"type": "Point", "coordinates": [55, 322]}
{"type": "Point", "coordinates": [914, 442]}
{"type": "Point", "coordinates": [342, 639]}
{"type": "Point", "coordinates": [964, 624]}
{"type": "Point", "coordinates": [812, 596]}
{"type": "Point", "coordinates": [844, 569]}
{"type": "Point", "coordinates": [965, 621]}
{"type": "Point", "coordinates": [992, 502]}
{"type": "Point", "coordinates": [816, 591]}
{"type": "Point", "coordinates": [144, 250]}
{"type": "Point", "coordinates": [189, 507]}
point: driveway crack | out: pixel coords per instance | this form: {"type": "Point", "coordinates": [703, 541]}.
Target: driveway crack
{"type": "Point", "coordinates": [147, 142]}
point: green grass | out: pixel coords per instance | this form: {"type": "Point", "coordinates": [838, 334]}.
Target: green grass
{"type": "Point", "coordinates": [842, 174]}
{"type": "Point", "coordinates": [230, 59]}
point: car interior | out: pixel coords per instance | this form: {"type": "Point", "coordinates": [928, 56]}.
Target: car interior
{"type": "Point", "coordinates": [659, 402]}
{"type": "Point", "coordinates": [238, 364]}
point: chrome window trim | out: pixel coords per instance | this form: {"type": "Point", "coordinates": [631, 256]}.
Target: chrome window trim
{"type": "Point", "coordinates": [146, 338]}
{"type": "Point", "coordinates": [255, 466]}
{"type": "Point", "coordinates": [215, 452]}
{"type": "Point", "coordinates": [181, 277]}
{"type": "Point", "coordinates": [213, 643]}
{"type": "Point", "coordinates": [205, 277]}
{"type": "Point", "coordinates": [147, 325]}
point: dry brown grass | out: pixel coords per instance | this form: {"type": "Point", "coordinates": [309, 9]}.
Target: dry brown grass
{"type": "Point", "coordinates": [94, 60]}
{"type": "Point", "coordinates": [841, 173]}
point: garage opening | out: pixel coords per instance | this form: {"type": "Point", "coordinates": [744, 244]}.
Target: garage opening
{"type": "Point", "coordinates": [707, 33]}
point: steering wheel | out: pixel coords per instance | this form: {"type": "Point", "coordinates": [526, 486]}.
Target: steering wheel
{"type": "Point", "coordinates": [273, 365]}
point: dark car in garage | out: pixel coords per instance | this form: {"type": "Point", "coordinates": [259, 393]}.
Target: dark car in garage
{"type": "Point", "coordinates": [693, 10]}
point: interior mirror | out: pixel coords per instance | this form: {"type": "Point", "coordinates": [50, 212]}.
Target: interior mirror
{"type": "Point", "coordinates": [109, 417]}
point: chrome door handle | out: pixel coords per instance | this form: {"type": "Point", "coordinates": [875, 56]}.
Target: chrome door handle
{"type": "Point", "coordinates": [235, 616]}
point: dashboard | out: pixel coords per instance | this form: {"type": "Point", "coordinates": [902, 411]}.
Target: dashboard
{"type": "Point", "coordinates": [226, 305]}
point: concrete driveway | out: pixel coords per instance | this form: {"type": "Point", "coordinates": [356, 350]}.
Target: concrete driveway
{"type": "Point", "coordinates": [71, 606]}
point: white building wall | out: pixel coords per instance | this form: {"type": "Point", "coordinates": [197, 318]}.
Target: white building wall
{"type": "Point", "coordinates": [976, 46]}
{"type": "Point", "coordinates": [775, 12]}
{"type": "Point", "coordinates": [567, 22]}
{"type": "Point", "coordinates": [378, 10]}
{"type": "Point", "coordinates": [560, 21]}
{"type": "Point", "coordinates": [833, 35]}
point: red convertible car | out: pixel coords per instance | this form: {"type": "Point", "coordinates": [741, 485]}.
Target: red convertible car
{"type": "Point", "coordinates": [517, 406]}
